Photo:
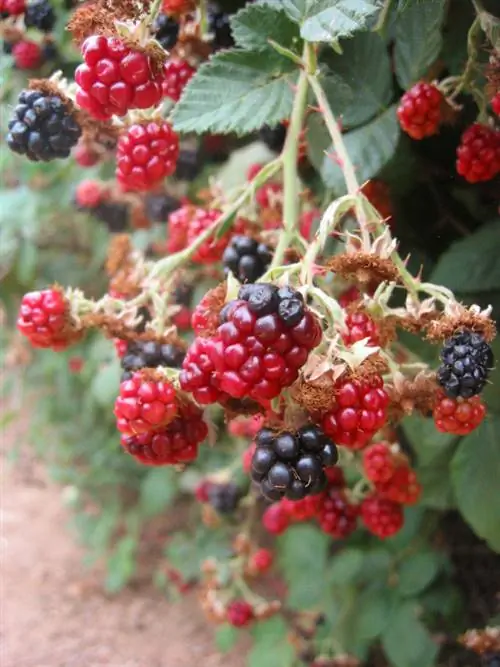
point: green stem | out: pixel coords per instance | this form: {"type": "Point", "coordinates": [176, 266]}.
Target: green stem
{"type": "Point", "coordinates": [154, 11]}
{"type": "Point", "coordinates": [472, 36]}
{"type": "Point", "coordinates": [383, 16]}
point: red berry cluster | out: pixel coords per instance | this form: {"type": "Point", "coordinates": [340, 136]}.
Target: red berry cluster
{"type": "Point", "coordinates": [359, 325]}
{"type": "Point", "coordinates": [176, 74]}
{"type": "Point", "coordinates": [115, 78]}
{"type": "Point", "coordinates": [419, 110]}
{"type": "Point", "coordinates": [381, 516]}
{"type": "Point", "coordinates": [495, 104]}
{"type": "Point", "coordinates": [239, 613]}
{"type": "Point", "coordinates": [478, 156]}
{"type": "Point", "coordinates": [12, 7]}
{"type": "Point", "coordinates": [45, 320]}
{"type": "Point", "coordinates": [27, 54]}
{"type": "Point", "coordinates": [458, 416]}
{"type": "Point", "coordinates": [146, 154]}
{"type": "Point", "coordinates": [391, 474]}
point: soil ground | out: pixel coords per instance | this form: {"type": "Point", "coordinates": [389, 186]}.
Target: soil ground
{"type": "Point", "coordinates": [53, 612]}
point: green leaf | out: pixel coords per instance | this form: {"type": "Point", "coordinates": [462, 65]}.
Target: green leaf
{"type": "Point", "coordinates": [418, 40]}
{"type": "Point", "coordinates": [406, 642]}
{"type": "Point", "coordinates": [417, 571]}
{"type": "Point", "coordinates": [370, 148]}
{"type": "Point", "coordinates": [431, 446]}
{"type": "Point", "coordinates": [255, 25]}
{"type": "Point", "coordinates": [345, 567]}
{"type": "Point", "coordinates": [330, 20]}
{"type": "Point", "coordinates": [106, 383]}
{"type": "Point", "coordinates": [478, 257]}
{"type": "Point", "coordinates": [270, 644]}
{"type": "Point", "coordinates": [303, 555]}
{"type": "Point", "coordinates": [373, 608]}
{"type": "Point", "coordinates": [226, 637]}
{"type": "Point", "coordinates": [491, 393]}
{"type": "Point", "coordinates": [158, 489]}
{"type": "Point", "coordinates": [437, 489]}
{"type": "Point", "coordinates": [121, 564]}
{"type": "Point", "coordinates": [237, 91]}
{"type": "Point", "coordinates": [295, 9]}
{"type": "Point", "coordinates": [474, 472]}
{"type": "Point", "coordinates": [365, 68]}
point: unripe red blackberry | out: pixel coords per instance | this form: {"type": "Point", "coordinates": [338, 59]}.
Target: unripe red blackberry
{"type": "Point", "coordinates": [360, 411]}
{"type": "Point", "coordinates": [27, 54]}
{"type": "Point", "coordinates": [378, 462]}
{"type": "Point", "coordinates": [402, 487]}
{"type": "Point", "coordinates": [467, 360]}
{"type": "Point", "coordinates": [43, 127]}
{"type": "Point", "coordinates": [239, 613]}
{"type": "Point", "coordinates": [246, 258]}
{"type": "Point", "coordinates": [292, 464]}
{"type": "Point", "coordinates": [44, 319]}
{"type": "Point", "coordinates": [381, 517]}
{"type": "Point", "coordinates": [40, 15]}
{"type": "Point", "coordinates": [145, 404]}
{"type": "Point", "coordinates": [359, 325]}
{"type": "Point", "coordinates": [495, 104]}
{"type": "Point", "coordinates": [178, 7]}
{"type": "Point", "coordinates": [115, 78]}
{"type": "Point", "coordinates": [458, 416]}
{"type": "Point", "coordinates": [146, 154]}
{"type": "Point", "coordinates": [275, 519]}
{"type": "Point", "coordinates": [261, 560]}
{"type": "Point", "coordinates": [419, 110]}
{"type": "Point", "coordinates": [175, 444]}
{"type": "Point", "coordinates": [307, 508]}
{"type": "Point", "coordinates": [178, 225]}
{"type": "Point", "coordinates": [150, 354]}
{"type": "Point", "coordinates": [89, 194]}
{"type": "Point", "coordinates": [85, 156]}
{"type": "Point", "coordinates": [198, 373]}
{"type": "Point", "coordinates": [176, 75]}
{"type": "Point", "coordinates": [478, 155]}
{"type": "Point", "coordinates": [12, 8]}
{"type": "Point", "coordinates": [211, 251]}
{"type": "Point", "coordinates": [337, 516]}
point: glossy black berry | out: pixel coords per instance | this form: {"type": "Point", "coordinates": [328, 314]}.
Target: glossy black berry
{"type": "Point", "coordinates": [220, 27]}
{"type": "Point", "coordinates": [273, 137]}
{"type": "Point", "coordinates": [189, 165]}
{"type": "Point", "coordinates": [246, 258]}
{"type": "Point", "coordinates": [40, 14]}
{"type": "Point", "coordinates": [291, 311]}
{"type": "Point", "coordinates": [466, 362]}
{"type": "Point", "coordinates": [266, 299]}
{"type": "Point", "coordinates": [166, 31]}
{"type": "Point", "coordinates": [291, 464]}
{"type": "Point", "coordinates": [159, 207]}
{"type": "Point", "coordinates": [42, 128]}
{"type": "Point", "coordinates": [115, 215]}
{"type": "Point", "coordinates": [149, 354]}
{"type": "Point", "coordinates": [262, 299]}
{"type": "Point", "coordinates": [224, 498]}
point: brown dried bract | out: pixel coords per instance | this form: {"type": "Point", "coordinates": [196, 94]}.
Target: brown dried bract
{"type": "Point", "coordinates": [406, 395]}
{"type": "Point", "coordinates": [386, 327]}
{"type": "Point", "coordinates": [119, 255]}
{"type": "Point", "coordinates": [482, 641]}
{"type": "Point", "coordinates": [94, 18]}
{"type": "Point", "coordinates": [114, 327]}
{"type": "Point", "coordinates": [448, 324]}
{"type": "Point", "coordinates": [316, 396]}
{"type": "Point", "coordinates": [236, 407]}
{"type": "Point", "coordinates": [372, 366]}
{"type": "Point", "coordinates": [213, 302]}
{"type": "Point", "coordinates": [48, 87]}
{"type": "Point", "coordinates": [191, 49]}
{"type": "Point", "coordinates": [363, 268]}
{"type": "Point", "coordinates": [415, 324]}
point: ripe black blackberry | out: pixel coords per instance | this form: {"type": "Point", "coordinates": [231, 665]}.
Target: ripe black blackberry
{"type": "Point", "coordinates": [491, 660]}
{"type": "Point", "coordinates": [189, 165]}
{"type": "Point", "coordinates": [273, 137]}
{"type": "Point", "coordinates": [266, 299]}
{"type": "Point", "coordinates": [159, 207]}
{"type": "Point", "coordinates": [224, 498]}
{"type": "Point", "coordinates": [246, 258]}
{"type": "Point", "coordinates": [220, 27]}
{"type": "Point", "coordinates": [292, 464]}
{"type": "Point", "coordinates": [466, 362]}
{"type": "Point", "coordinates": [183, 294]}
{"type": "Point", "coordinates": [149, 354]}
{"type": "Point", "coordinates": [43, 128]}
{"type": "Point", "coordinates": [166, 31]}
{"type": "Point", "coordinates": [40, 14]}
{"type": "Point", "coordinates": [115, 215]}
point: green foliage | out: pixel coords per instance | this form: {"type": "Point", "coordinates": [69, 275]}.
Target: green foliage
{"type": "Point", "coordinates": [254, 26]}
{"type": "Point", "coordinates": [270, 645]}
{"type": "Point", "coordinates": [417, 648]}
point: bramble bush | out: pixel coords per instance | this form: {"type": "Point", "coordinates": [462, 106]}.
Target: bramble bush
{"type": "Point", "coordinates": [279, 224]}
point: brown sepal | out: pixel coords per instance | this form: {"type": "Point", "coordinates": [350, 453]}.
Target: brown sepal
{"type": "Point", "coordinates": [482, 641]}
{"type": "Point", "coordinates": [363, 268]}
{"type": "Point", "coordinates": [447, 325]}
{"type": "Point", "coordinates": [406, 395]}
{"type": "Point", "coordinates": [316, 396]}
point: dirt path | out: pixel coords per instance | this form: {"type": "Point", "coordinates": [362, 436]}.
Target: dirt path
{"type": "Point", "coordinates": [53, 612]}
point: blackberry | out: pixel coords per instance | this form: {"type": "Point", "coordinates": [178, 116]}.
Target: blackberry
{"type": "Point", "coordinates": [224, 498]}
{"type": "Point", "coordinates": [50, 52]}
{"type": "Point", "coordinates": [292, 464]}
{"type": "Point", "coordinates": [491, 660]}
{"type": "Point", "coordinates": [220, 27]}
{"type": "Point", "coordinates": [183, 294]}
{"type": "Point", "coordinates": [149, 354]}
{"type": "Point", "coordinates": [189, 165]}
{"type": "Point", "coordinates": [246, 258]}
{"type": "Point", "coordinates": [40, 15]}
{"type": "Point", "coordinates": [273, 137]}
{"type": "Point", "coordinates": [159, 207]}
{"type": "Point", "coordinates": [167, 31]}
{"type": "Point", "coordinates": [42, 128]}
{"type": "Point", "coordinates": [467, 359]}
{"type": "Point", "coordinates": [266, 299]}
{"type": "Point", "coordinates": [114, 215]}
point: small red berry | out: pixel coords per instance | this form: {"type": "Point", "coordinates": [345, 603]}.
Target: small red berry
{"type": "Point", "coordinates": [350, 295]}
{"type": "Point", "coordinates": [246, 427]}
{"type": "Point", "coordinates": [402, 487]}
{"type": "Point", "coordinates": [12, 7]}
{"type": "Point", "coordinates": [85, 156]}
{"type": "Point", "coordinates": [253, 170]}
{"type": "Point", "coordinates": [89, 193]}
{"type": "Point", "coordinates": [146, 154]}
{"type": "Point", "coordinates": [27, 54]}
{"type": "Point", "coordinates": [495, 104]}
{"type": "Point", "coordinates": [240, 613]}
{"type": "Point", "coordinates": [419, 110]}
{"type": "Point", "coordinates": [145, 405]}
{"type": "Point", "coordinates": [198, 373]}
{"type": "Point", "coordinates": [275, 519]}
{"type": "Point", "coordinates": [201, 492]}
{"type": "Point", "coordinates": [178, 224]}
{"type": "Point", "coordinates": [359, 325]}
{"type": "Point", "coordinates": [478, 156]}
{"type": "Point", "coordinates": [75, 364]}
{"type": "Point", "coordinates": [45, 320]}
{"type": "Point", "coordinates": [378, 462]}
{"type": "Point", "coordinates": [337, 516]}
{"type": "Point", "coordinates": [261, 560]}
{"type": "Point", "coordinates": [212, 249]}
{"type": "Point", "coordinates": [177, 73]}
{"type": "Point", "coordinates": [120, 347]}
{"type": "Point", "coordinates": [381, 517]}
{"type": "Point", "coordinates": [270, 195]}
{"type": "Point", "coordinates": [205, 317]}
{"type": "Point", "coordinates": [246, 459]}
{"type": "Point", "coordinates": [458, 416]}
{"type": "Point", "coordinates": [307, 221]}
{"type": "Point", "coordinates": [178, 6]}
{"type": "Point", "coordinates": [182, 319]}
{"type": "Point", "coordinates": [115, 78]}
{"type": "Point", "coordinates": [360, 411]}
{"type": "Point", "coordinates": [304, 509]}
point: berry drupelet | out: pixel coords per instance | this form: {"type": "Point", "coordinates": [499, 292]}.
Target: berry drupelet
{"type": "Point", "coordinates": [292, 464]}
{"type": "Point", "coordinates": [466, 362]}
{"type": "Point", "coordinates": [166, 31]}
{"type": "Point", "coordinates": [40, 15]}
{"type": "Point", "coordinates": [150, 354]}
{"type": "Point", "coordinates": [43, 127]}
{"type": "Point", "coordinates": [246, 258]}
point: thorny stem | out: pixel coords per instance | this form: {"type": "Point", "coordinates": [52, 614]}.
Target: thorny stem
{"type": "Point", "coordinates": [472, 35]}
